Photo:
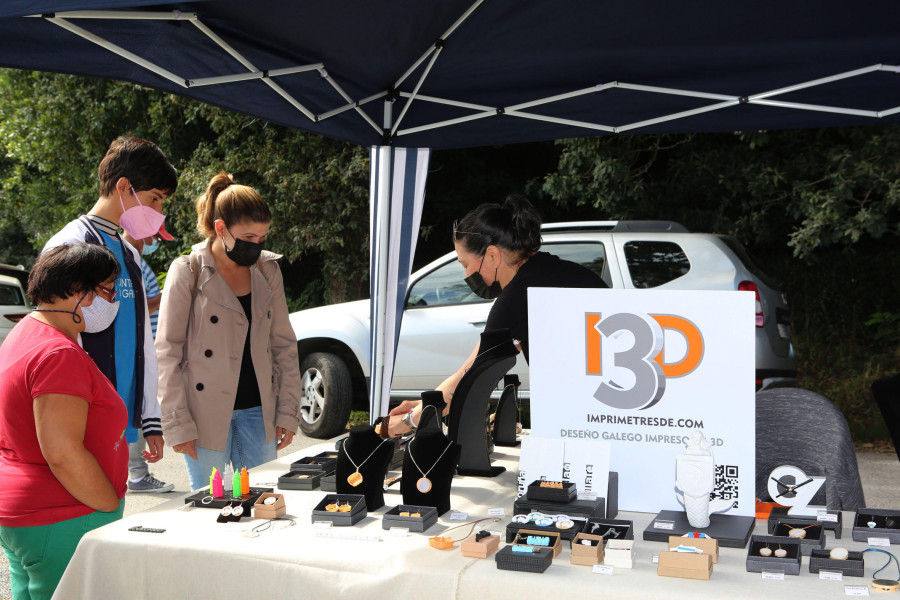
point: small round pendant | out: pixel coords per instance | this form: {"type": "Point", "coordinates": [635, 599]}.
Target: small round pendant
{"type": "Point", "coordinates": [797, 533]}
{"type": "Point", "coordinates": [423, 485]}
{"type": "Point", "coordinates": [355, 479]}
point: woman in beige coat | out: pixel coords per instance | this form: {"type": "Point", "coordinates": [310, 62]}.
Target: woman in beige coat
{"type": "Point", "coordinates": [229, 381]}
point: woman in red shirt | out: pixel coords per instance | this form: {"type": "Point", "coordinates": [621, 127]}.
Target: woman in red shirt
{"type": "Point", "coordinates": [63, 457]}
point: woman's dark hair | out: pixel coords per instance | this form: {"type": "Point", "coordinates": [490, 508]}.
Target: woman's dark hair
{"type": "Point", "coordinates": [70, 269]}
{"type": "Point", "coordinates": [230, 202]}
{"type": "Point", "coordinates": [514, 226]}
{"type": "Point", "coordinates": [141, 162]}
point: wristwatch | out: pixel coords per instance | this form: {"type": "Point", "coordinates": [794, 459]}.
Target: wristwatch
{"type": "Point", "coordinates": [407, 420]}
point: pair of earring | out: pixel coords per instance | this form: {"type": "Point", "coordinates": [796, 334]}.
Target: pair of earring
{"type": "Point", "coordinates": [339, 507]}
{"type": "Point", "coordinates": [232, 511]}
{"type": "Point", "coordinates": [409, 514]}
{"type": "Point", "coordinates": [766, 551]}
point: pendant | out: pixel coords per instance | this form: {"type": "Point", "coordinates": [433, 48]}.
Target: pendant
{"type": "Point", "coordinates": [423, 485]}
{"type": "Point", "coordinates": [797, 533]}
{"type": "Point", "coordinates": [355, 479]}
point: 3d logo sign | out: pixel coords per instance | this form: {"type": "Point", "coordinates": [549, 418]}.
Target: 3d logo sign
{"type": "Point", "coordinates": [627, 352]}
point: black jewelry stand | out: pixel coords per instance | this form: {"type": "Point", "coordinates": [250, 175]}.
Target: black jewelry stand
{"type": "Point", "coordinates": [469, 423]}
{"type": "Point", "coordinates": [427, 447]}
{"type": "Point", "coordinates": [361, 442]}
{"type": "Point", "coordinates": [507, 416]}
{"type": "Point", "coordinates": [429, 419]}
{"type": "Point", "coordinates": [732, 531]}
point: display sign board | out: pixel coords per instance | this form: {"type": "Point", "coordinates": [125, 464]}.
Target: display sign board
{"type": "Point", "coordinates": [644, 369]}
{"type": "Point", "coordinates": [583, 462]}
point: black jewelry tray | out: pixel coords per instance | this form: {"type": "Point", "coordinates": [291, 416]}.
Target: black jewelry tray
{"type": "Point", "coordinates": [300, 480]}
{"type": "Point", "coordinates": [536, 562]}
{"type": "Point", "coordinates": [820, 560]}
{"type": "Point", "coordinates": [246, 500]}
{"type": "Point", "coordinates": [882, 516]}
{"type": "Point", "coordinates": [565, 494]}
{"type": "Point", "coordinates": [341, 519]}
{"type": "Point", "coordinates": [780, 513]}
{"type": "Point", "coordinates": [328, 483]}
{"type": "Point", "coordinates": [815, 535]}
{"type": "Point", "coordinates": [790, 564]}
{"type": "Point", "coordinates": [314, 464]}
{"type": "Point", "coordinates": [392, 517]}
{"type": "Point", "coordinates": [624, 528]}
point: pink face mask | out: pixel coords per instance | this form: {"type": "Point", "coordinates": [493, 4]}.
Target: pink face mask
{"type": "Point", "coordinates": [140, 221]}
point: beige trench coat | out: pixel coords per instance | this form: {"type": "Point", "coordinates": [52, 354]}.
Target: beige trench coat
{"type": "Point", "coordinates": [200, 343]}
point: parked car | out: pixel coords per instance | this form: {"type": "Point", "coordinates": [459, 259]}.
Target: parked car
{"type": "Point", "coordinates": [443, 318]}
{"type": "Point", "coordinates": [13, 304]}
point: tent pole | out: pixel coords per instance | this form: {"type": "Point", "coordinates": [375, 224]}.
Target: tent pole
{"type": "Point", "coordinates": [380, 256]}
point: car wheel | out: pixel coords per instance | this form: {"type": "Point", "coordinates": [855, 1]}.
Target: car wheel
{"type": "Point", "coordinates": [325, 396]}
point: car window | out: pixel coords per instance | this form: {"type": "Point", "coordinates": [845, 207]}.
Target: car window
{"type": "Point", "coordinates": [587, 254]}
{"type": "Point", "coordinates": [11, 295]}
{"type": "Point", "coordinates": [445, 285]}
{"type": "Point", "coordinates": [652, 264]}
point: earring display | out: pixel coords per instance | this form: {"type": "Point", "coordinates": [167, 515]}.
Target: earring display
{"type": "Point", "coordinates": [410, 517]}
{"type": "Point", "coordinates": [879, 523]}
{"type": "Point", "coordinates": [770, 552]}
{"type": "Point", "coordinates": [341, 509]}
{"type": "Point", "coordinates": [780, 553]}
{"type": "Point", "coordinates": [423, 484]}
{"type": "Point", "coordinates": [561, 492]}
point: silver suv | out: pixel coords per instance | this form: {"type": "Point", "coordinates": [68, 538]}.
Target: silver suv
{"type": "Point", "coordinates": [443, 318]}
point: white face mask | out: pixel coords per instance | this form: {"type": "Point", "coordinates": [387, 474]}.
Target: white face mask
{"type": "Point", "coordinates": [99, 315]}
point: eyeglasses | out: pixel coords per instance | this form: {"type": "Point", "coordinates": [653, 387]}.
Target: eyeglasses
{"type": "Point", "coordinates": [110, 293]}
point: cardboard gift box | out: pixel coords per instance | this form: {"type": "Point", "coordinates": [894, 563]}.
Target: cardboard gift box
{"type": "Point", "coordinates": [587, 555]}
{"type": "Point", "coordinates": [261, 510]}
{"type": "Point", "coordinates": [619, 553]}
{"type": "Point", "coordinates": [688, 565]}
{"type": "Point", "coordinates": [707, 545]}
{"type": "Point", "coordinates": [535, 562]}
{"type": "Point", "coordinates": [482, 548]}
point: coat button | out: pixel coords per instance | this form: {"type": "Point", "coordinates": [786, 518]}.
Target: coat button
{"type": "Point", "coordinates": [270, 314]}
{"type": "Point", "coordinates": [208, 353]}
{"type": "Point", "coordinates": [199, 387]}
{"type": "Point", "coordinates": [214, 319]}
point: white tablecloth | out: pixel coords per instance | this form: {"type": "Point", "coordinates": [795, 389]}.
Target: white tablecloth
{"type": "Point", "coordinates": [198, 558]}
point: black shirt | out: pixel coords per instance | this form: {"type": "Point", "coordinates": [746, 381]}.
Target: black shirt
{"type": "Point", "coordinates": [248, 389]}
{"type": "Point", "coordinates": [510, 310]}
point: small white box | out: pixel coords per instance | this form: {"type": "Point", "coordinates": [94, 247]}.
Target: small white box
{"type": "Point", "coordinates": [619, 553]}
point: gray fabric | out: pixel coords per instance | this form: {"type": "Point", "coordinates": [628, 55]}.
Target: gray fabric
{"type": "Point", "coordinates": [801, 428]}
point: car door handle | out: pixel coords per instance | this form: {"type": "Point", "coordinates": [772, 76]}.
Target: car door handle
{"type": "Point", "coordinates": [477, 323]}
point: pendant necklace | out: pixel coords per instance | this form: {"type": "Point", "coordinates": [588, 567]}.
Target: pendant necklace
{"type": "Point", "coordinates": [356, 477]}
{"type": "Point", "coordinates": [423, 484]}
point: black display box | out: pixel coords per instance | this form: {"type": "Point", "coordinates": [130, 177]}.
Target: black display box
{"type": "Point", "coordinates": [315, 464]}
{"type": "Point", "coordinates": [536, 562]}
{"type": "Point", "coordinates": [624, 528]}
{"type": "Point", "coordinates": [328, 483]}
{"type": "Point", "coordinates": [780, 513]}
{"type": "Point", "coordinates": [730, 530]}
{"type": "Point", "coordinates": [887, 525]}
{"type": "Point", "coordinates": [341, 519]}
{"type": "Point", "coordinates": [601, 508]}
{"type": "Point", "coordinates": [299, 480]}
{"type": "Point", "coordinates": [567, 534]}
{"type": "Point", "coordinates": [564, 495]}
{"type": "Point", "coordinates": [790, 564]}
{"type": "Point", "coordinates": [815, 534]}
{"type": "Point", "coordinates": [246, 500]}
{"type": "Point", "coordinates": [852, 566]}
{"type": "Point", "coordinates": [392, 517]}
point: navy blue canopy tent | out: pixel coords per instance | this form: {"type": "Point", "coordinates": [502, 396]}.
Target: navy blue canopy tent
{"type": "Point", "coordinates": [459, 73]}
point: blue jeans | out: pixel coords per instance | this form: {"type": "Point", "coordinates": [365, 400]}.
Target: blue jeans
{"type": "Point", "coordinates": [246, 447]}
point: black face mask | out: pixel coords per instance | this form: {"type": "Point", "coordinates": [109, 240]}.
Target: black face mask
{"type": "Point", "coordinates": [243, 252]}
{"type": "Point", "coordinates": [476, 283]}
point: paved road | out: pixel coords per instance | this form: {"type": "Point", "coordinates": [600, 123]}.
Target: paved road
{"type": "Point", "coordinates": [880, 474]}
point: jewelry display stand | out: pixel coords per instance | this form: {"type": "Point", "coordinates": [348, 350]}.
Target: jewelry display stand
{"type": "Point", "coordinates": [364, 453]}
{"type": "Point", "coordinates": [469, 422]}
{"type": "Point", "coordinates": [247, 500]}
{"type": "Point", "coordinates": [583, 508]}
{"type": "Point", "coordinates": [432, 456]}
{"type": "Point", "coordinates": [428, 419]}
{"type": "Point", "coordinates": [852, 566]}
{"type": "Point", "coordinates": [506, 418]}
{"type": "Point", "coordinates": [402, 516]}
{"type": "Point", "coordinates": [780, 513]}
{"type": "Point", "coordinates": [814, 534]}
{"type": "Point", "coordinates": [732, 531]}
{"type": "Point", "coordinates": [789, 563]}
{"type": "Point", "coordinates": [887, 524]}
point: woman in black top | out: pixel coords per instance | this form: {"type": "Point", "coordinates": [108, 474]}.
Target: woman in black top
{"type": "Point", "coordinates": [498, 246]}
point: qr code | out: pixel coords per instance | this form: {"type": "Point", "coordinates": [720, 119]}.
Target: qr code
{"type": "Point", "coordinates": [726, 487]}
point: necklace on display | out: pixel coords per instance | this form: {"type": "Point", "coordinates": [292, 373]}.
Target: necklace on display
{"type": "Point", "coordinates": [356, 477]}
{"type": "Point", "coordinates": [423, 484]}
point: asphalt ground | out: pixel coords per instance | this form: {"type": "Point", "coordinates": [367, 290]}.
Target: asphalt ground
{"type": "Point", "coordinates": [879, 471]}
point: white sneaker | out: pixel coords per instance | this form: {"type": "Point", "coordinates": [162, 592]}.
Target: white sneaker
{"type": "Point", "coordinates": [150, 484]}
